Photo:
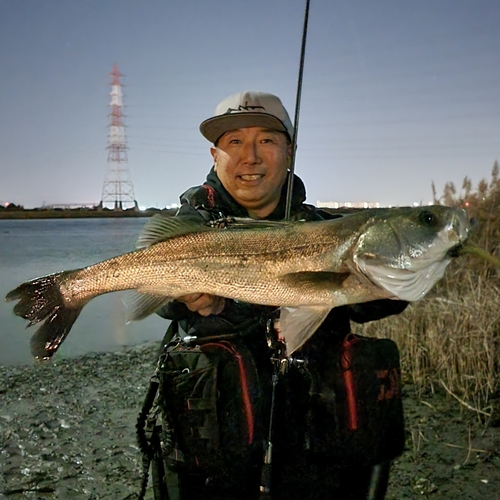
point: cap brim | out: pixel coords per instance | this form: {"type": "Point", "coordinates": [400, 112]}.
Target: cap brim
{"type": "Point", "coordinates": [213, 128]}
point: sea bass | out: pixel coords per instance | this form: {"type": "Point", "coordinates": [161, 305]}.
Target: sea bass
{"type": "Point", "coordinates": [305, 268]}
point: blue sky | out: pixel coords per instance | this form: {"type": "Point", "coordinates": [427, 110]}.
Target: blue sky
{"type": "Point", "coordinates": [397, 94]}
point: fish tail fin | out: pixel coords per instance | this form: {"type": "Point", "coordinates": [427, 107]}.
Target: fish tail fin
{"type": "Point", "coordinates": [47, 339]}
{"type": "Point", "coordinates": [41, 300]}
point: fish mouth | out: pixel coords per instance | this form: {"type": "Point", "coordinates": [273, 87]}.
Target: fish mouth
{"type": "Point", "coordinates": [455, 251]}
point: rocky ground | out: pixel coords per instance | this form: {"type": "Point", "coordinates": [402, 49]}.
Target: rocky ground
{"type": "Point", "coordinates": [67, 431]}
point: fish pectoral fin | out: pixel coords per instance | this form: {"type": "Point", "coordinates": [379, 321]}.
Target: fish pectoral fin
{"type": "Point", "coordinates": [140, 305]}
{"type": "Point", "coordinates": [317, 279]}
{"type": "Point", "coordinates": [297, 324]}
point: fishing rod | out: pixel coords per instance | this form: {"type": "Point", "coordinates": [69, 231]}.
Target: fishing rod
{"type": "Point", "coordinates": [289, 191]}
{"type": "Point", "coordinates": [278, 365]}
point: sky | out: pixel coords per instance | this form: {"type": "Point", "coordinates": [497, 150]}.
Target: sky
{"type": "Point", "coordinates": [396, 94]}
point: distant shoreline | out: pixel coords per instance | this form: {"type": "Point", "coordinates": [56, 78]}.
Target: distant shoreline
{"type": "Point", "coordinates": [82, 213]}
{"type": "Point", "coordinates": [79, 213]}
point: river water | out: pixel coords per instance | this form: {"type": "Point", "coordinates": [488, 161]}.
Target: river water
{"type": "Point", "coordinates": [31, 248]}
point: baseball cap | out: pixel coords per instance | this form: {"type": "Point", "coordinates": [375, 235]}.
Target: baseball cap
{"type": "Point", "coordinates": [247, 109]}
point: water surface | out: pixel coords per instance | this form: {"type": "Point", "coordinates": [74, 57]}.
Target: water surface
{"type": "Point", "coordinates": [31, 248]}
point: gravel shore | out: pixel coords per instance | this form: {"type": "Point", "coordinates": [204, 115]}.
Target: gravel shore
{"type": "Point", "coordinates": [67, 431]}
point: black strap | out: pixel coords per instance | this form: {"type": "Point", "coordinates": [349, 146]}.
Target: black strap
{"type": "Point", "coordinates": [142, 439]}
{"type": "Point", "coordinates": [379, 481]}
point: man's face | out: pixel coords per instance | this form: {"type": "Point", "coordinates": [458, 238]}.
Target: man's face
{"type": "Point", "coordinates": [252, 165]}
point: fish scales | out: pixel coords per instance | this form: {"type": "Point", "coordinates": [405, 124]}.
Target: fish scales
{"type": "Point", "coordinates": [222, 253]}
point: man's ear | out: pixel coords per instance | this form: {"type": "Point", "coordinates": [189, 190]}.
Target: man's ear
{"type": "Point", "coordinates": [213, 152]}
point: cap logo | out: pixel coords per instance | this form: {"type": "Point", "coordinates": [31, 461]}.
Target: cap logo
{"type": "Point", "coordinates": [242, 107]}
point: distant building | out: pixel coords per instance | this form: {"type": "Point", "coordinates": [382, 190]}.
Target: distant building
{"type": "Point", "coordinates": [348, 204]}
{"type": "Point", "coordinates": [68, 206]}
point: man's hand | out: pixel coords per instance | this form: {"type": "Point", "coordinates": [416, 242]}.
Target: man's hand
{"type": "Point", "coordinates": [203, 303]}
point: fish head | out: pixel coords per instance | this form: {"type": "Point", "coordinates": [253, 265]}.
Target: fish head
{"type": "Point", "coordinates": [406, 250]}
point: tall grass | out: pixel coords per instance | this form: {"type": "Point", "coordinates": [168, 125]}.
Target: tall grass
{"type": "Point", "coordinates": [450, 340]}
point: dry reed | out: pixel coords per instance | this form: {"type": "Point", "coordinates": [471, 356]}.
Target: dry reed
{"type": "Point", "coordinates": [450, 340]}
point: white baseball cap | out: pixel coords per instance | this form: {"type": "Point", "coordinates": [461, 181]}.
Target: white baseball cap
{"type": "Point", "coordinates": [247, 109]}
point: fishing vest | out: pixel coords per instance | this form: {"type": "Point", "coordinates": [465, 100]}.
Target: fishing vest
{"type": "Point", "coordinates": [355, 413]}
{"type": "Point", "coordinates": [217, 404]}
{"type": "Point", "coordinates": [211, 396]}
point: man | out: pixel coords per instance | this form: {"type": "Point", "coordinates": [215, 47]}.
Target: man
{"type": "Point", "coordinates": [251, 149]}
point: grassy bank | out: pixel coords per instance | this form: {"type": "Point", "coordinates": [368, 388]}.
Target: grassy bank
{"type": "Point", "coordinates": [450, 341]}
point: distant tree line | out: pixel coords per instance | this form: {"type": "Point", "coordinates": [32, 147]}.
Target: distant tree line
{"type": "Point", "coordinates": [11, 207]}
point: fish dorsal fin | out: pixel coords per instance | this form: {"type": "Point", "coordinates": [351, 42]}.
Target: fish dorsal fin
{"type": "Point", "coordinates": [162, 227]}
{"type": "Point", "coordinates": [297, 324]}
{"type": "Point", "coordinates": [248, 223]}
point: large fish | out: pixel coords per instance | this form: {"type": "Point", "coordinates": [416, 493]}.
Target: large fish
{"type": "Point", "coordinates": [306, 268]}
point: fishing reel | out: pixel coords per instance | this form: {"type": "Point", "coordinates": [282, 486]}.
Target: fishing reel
{"type": "Point", "coordinates": [222, 222]}
{"type": "Point", "coordinates": [279, 357]}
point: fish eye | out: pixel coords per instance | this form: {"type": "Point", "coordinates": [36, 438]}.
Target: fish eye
{"type": "Point", "coordinates": [428, 218]}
